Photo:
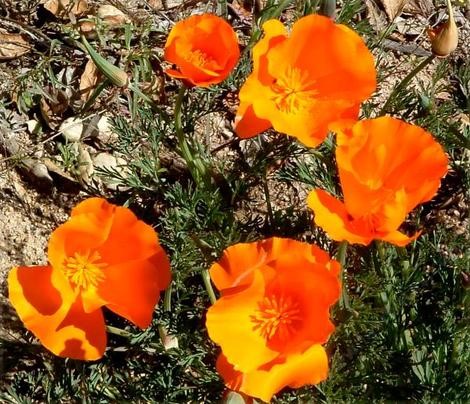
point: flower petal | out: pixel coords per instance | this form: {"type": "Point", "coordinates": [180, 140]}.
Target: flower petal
{"type": "Point", "coordinates": [132, 289]}
{"type": "Point", "coordinates": [237, 265]}
{"type": "Point", "coordinates": [48, 307]}
{"type": "Point", "coordinates": [332, 217]}
{"type": "Point", "coordinates": [128, 239]}
{"type": "Point", "coordinates": [304, 83]}
{"type": "Point", "coordinates": [398, 238]}
{"type": "Point", "coordinates": [309, 367]}
{"type": "Point", "coordinates": [204, 48]}
{"type": "Point", "coordinates": [87, 228]}
{"type": "Point", "coordinates": [247, 124]}
{"type": "Point", "coordinates": [229, 324]}
{"type": "Point", "coordinates": [80, 335]}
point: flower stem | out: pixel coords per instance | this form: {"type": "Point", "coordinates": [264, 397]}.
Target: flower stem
{"type": "Point", "coordinates": [341, 257]}
{"type": "Point", "coordinates": [404, 83]}
{"type": "Point", "coordinates": [195, 165]}
{"type": "Point", "coordinates": [207, 283]}
{"type": "Point", "coordinates": [118, 331]}
{"type": "Point", "coordinates": [167, 298]}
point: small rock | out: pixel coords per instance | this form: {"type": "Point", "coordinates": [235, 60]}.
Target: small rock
{"type": "Point", "coordinates": [105, 132]}
{"type": "Point", "coordinates": [71, 129]}
{"type": "Point", "coordinates": [108, 162]}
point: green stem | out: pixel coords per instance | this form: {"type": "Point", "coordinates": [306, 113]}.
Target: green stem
{"type": "Point", "coordinates": [196, 166]}
{"type": "Point", "coordinates": [118, 331]}
{"type": "Point", "coordinates": [341, 257]}
{"type": "Point", "coordinates": [207, 283]}
{"type": "Point", "coordinates": [127, 334]}
{"type": "Point", "coordinates": [280, 8]}
{"type": "Point", "coordinates": [167, 298]}
{"type": "Point", "coordinates": [405, 82]}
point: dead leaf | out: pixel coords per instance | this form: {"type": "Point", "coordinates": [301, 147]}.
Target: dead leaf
{"type": "Point", "coordinates": [89, 80]}
{"type": "Point", "coordinates": [154, 89]}
{"type": "Point", "coordinates": [62, 180]}
{"type": "Point", "coordinates": [111, 15]}
{"type": "Point", "coordinates": [12, 45]}
{"type": "Point", "coordinates": [62, 8]}
{"type": "Point", "coordinates": [53, 106]}
{"type": "Point", "coordinates": [393, 8]}
{"type": "Point", "coordinates": [420, 7]}
{"type": "Point", "coordinates": [376, 16]}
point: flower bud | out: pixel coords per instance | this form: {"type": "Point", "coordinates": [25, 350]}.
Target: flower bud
{"type": "Point", "coordinates": [445, 37]}
{"type": "Point", "coordinates": [113, 73]}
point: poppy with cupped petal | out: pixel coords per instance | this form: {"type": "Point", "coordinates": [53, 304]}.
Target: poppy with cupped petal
{"type": "Point", "coordinates": [273, 315]}
{"type": "Point", "coordinates": [204, 49]}
{"type": "Point", "coordinates": [102, 256]}
{"type": "Point", "coordinates": [303, 82]}
{"type": "Point", "coordinates": [386, 168]}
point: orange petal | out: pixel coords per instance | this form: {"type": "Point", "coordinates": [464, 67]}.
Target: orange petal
{"type": "Point", "coordinates": [398, 238]}
{"type": "Point", "coordinates": [229, 324]}
{"type": "Point", "coordinates": [85, 231]}
{"type": "Point", "coordinates": [332, 217]}
{"type": "Point", "coordinates": [309, 367]}
{"type": "Point", "coordinates": [204, 48]}
{"type": "Point", "coordinates": [387, 153]}
{"type": "Point", "coordinates": [47, 306]}
{"type": "Point", "coordinates": [128, 239]}
{"type": "Point", "coordinates": [237, 265]}
{"type": "Point", "coordinates": [247, 124]}
{"type": "Point", "coordinates": [80, 335]}
{"type": "Point", "coordinates": [275, 33]}
{"type": "Point", "coordinates": [313, 289]}
{"type": "Point", "coordinates": [132, 289]}
{"type": "Point", "coordinates": [306, 82]}
{"type": "Point", "coordinates": [98, 207]}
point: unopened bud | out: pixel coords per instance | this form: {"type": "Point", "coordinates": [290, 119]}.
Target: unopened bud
{"type": "Point", "coordinates": [113, 73]}
{"type": "Point", "coordinates": [445, 37]}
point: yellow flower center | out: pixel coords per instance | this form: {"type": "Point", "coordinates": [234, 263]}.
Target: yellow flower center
{"type": "Point", "coordinates": [198, 58]}
{"type": "Point", "coordinates": [84, 270]}
{"type": "Point", "coordinates": [294, 91]}
{"type": "Point", "coordinates": [277, 316]}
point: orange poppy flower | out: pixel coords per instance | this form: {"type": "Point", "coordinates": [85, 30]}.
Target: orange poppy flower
{"type": "Point", "coordinates": [386, 168]}
{"type": "Point", "coordinates": [302, 83]}
{"type": "Point", "coordinates": [273, 315]}
{"type": "Point", "coordinates": [204, 49]}
{"type": "Point", "coordinates": [102, 256]}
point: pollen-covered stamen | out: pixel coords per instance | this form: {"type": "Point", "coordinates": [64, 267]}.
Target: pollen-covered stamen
{"type": "Point", "coordinates": [294, 90]}
{"type": "Point", "coordinates": [84, 270]}
{"type": "Point", "coordinates": [198, 58]}
{"type": "Point", "coordinates": [277, 316]}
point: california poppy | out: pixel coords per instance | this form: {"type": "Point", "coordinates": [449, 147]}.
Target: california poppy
{"type": "Point", "coordinates": [273, 315]}
{"type": "Point", "coordinates": [204, 49]}
{"type": "Point", "coordinates": [302, 83]}
{"type": "Point", "coordinates": [386, 168]}
{"type": "Point", "coordinates": [102, 256]}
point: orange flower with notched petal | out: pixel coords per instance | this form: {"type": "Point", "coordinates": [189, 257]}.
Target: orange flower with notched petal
{"type": "Point", "coordinates": [204, 49]}
{"type": "Point", "coordinates": [302, 83]}
{"type": "Point", "coordinates": [102, 256]}
{"type": "Point", "coordinates": [273, 315]}
{"type": "Point", "coordinates": [386, 168]}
